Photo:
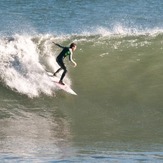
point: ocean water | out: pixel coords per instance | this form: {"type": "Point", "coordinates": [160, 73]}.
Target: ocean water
{"type": "Point", "coordinates": [118, 113]}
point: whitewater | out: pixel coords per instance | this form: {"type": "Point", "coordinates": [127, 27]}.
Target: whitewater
{"type": "Point", "coordinates": [23, 64]}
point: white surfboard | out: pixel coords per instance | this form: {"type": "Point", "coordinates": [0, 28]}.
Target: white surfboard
{"type": "Point", "coordinates": [65, 87]}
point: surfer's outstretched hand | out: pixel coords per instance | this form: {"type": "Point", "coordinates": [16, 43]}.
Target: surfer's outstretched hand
{"type": "Point", "coordinates": [75, 64]}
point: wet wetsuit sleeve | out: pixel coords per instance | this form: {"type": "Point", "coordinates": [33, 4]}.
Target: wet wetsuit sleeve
{"type": "Point", "coordinates": [59, 45]}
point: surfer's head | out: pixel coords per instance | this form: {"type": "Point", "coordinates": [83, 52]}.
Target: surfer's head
{"type": "Point", "coordinates": [73, 46]}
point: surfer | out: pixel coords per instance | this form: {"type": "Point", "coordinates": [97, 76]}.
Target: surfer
{"type": "Point", "coordinates": [67, 51]}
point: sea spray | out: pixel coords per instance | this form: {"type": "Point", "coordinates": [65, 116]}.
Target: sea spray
{"type": "Point", "coordinates": [20, 67]}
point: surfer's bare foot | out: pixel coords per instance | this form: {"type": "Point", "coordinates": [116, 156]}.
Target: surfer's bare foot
{"type": "Point", "coordinates": [61, 82]}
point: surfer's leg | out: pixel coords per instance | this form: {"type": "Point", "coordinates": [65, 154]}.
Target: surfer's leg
{"type": "Point", "coordinates": [60, 63]}
{"type": "Point", "coordinates": [57, 71]}
{"type": "Point", "coordinates": [63, 75]}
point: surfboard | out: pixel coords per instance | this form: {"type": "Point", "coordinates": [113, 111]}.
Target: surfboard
{"type": "Point", "coordinates": [65, 87]}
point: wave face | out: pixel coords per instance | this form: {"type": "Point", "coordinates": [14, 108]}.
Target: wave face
{"type": "Point", "coordinates": [118, 75]}
{"type": "Point", "coordinates": [123, 60]}
{"type": "Point", "coordinates": [120, 78]}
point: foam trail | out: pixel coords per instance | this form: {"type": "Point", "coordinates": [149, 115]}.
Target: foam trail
{"type": "Point", "coordinates": [20, 67]}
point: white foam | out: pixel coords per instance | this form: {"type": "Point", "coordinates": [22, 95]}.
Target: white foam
{"type": "Point", "coordinates": [21, 69]}
{"type": "Point", "coordinates": [120, 30]}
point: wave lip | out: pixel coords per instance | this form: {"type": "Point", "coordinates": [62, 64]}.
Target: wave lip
{"type": "Point", "coordinates": [121, 30]}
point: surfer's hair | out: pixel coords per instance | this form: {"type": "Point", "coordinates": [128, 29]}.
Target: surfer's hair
{"type": "Point", "coordinates": [72, 45]}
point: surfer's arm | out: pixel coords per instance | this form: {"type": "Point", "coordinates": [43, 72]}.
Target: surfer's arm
{"type": "Point", "coordinates": [59, 45]}
{"type": "Point", "coordinates": [70, 58]}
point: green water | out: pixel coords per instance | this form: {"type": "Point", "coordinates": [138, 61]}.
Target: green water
{"type": "Point", "coordinates": [118, 108]}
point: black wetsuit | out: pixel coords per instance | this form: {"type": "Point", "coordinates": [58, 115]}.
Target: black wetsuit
{"type": "Point", "coordinates": [65, 52]}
